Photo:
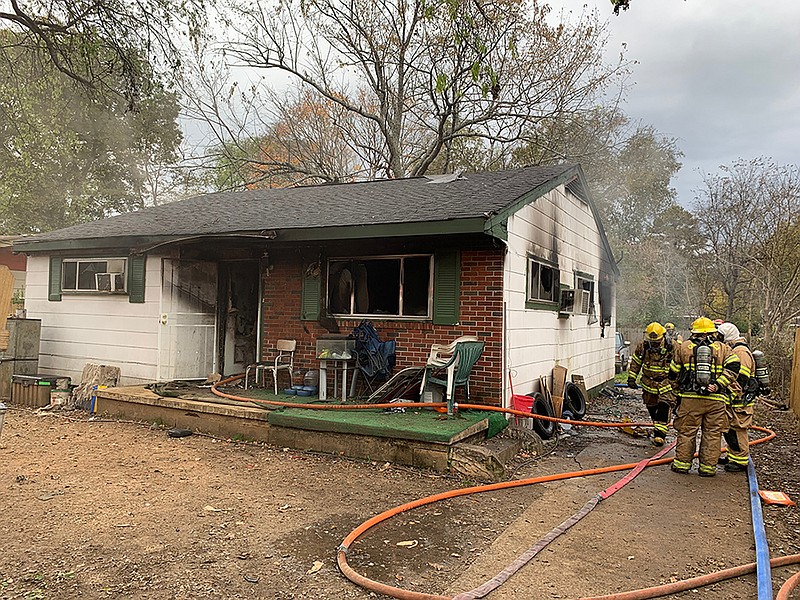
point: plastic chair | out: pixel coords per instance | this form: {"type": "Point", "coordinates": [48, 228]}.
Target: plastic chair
{"type": "Point", "coordinates": [452, 372]}
{"type": "Point", "coordinates": [440, 353]}
{"type": "Point", "coordinates": [284, 361]}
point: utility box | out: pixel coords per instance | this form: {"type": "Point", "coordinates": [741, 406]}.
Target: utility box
{"type": "Point", "coordinates": [34, 391]}
{"type": "Point", "coordinates": [23, 339]}
{"type": "Point", "coordinates": [22, 355]}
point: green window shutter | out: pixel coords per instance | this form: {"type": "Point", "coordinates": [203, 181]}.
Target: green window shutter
{"type": "Point", "coordinates": [136, 266]}
{"type": "Point", "coordinates": [54, 292]}
{"type": "Point", "coordinates": [446, 287]}
{"type": "Point", "coordinates": [310, 301]}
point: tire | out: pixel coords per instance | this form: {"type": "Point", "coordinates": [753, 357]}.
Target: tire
{"type": "Point", "coordinates": [541, 406]}
{"type": "Point", "coordinates": [575, 401]}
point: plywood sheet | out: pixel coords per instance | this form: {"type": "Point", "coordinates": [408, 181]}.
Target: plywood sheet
{"type": "Point", "coordinates": [6, 291]}
{"type": "Point", "coordinates": [559, 383]}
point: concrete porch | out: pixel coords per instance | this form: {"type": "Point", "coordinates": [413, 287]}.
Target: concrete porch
{"type": "Point", "coordinates": [421, 438]}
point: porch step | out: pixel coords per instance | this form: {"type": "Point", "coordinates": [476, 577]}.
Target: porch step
{"type": "Point", "coordinates": [489, 460]}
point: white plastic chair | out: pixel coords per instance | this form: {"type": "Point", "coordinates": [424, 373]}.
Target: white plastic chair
{"type": "Point", "coordinates": [284, 361]}
{"type": "Point", "coordinates": [441, 353]}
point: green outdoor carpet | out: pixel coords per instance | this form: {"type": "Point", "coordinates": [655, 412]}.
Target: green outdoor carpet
{"type": "Point", "coordinates": [421, 425]}
{"type": "Point", "coordinates": [412, 424]}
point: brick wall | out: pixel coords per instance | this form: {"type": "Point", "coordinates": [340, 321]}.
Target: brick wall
{"type": "Point", "coordinates": [481, 315]}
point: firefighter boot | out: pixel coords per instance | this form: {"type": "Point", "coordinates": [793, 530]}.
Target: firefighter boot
{"type": "Point", "coordinates": [734, 468]}
{"type": "Point", "coordinates": [660, 414]}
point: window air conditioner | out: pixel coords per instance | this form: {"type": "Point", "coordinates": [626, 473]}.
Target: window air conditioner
{"type": "Point", "coordinates": [110, 282]}
{"type": "Point", "coordinates": [586, 297]}
{"type": "Point", "coordinates": [567, 304]}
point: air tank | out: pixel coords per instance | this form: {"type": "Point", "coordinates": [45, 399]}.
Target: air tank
{"type": "Point", "coordinates": [703, 366]}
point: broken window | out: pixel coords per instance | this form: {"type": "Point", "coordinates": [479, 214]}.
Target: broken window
{"type": "Point", "coordinates": [585, 291]}
{"type": "Point", "coordinates": [606, 295]}
{"type": "Point", "coordinates": [93, 275]}
{"type": "Point", "coordinates": [382, 286]}
{"type": "Point", "coordinates": [543, 281]}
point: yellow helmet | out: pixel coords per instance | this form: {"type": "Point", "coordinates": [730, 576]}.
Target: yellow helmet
{"type": "Point", "coordinates": [703, 325]}
{"type": "Point", "coordinates": [654, 331]}
{"type": "Point", "coordinates": [669, 326]}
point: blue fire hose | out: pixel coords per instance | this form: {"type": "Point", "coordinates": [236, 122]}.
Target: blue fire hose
{"type": "Point", "coordinates": [763, 570]}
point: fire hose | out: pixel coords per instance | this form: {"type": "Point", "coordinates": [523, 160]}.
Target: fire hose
{"type": "Point", "coordinates": [761, 567]}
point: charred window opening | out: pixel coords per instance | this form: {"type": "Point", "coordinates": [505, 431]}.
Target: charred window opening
{"type": "Point", "coordinates": [398, 286]}
{"type": "Point", "coordinates": [606, 294]}
{"type": "Point", "coordinates": [543, 281]}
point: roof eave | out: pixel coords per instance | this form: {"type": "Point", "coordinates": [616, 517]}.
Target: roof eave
{"type": "Point", "coordinates": [146, 243]}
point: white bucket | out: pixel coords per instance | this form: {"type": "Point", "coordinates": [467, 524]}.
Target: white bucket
{"type": "Point", "coordinates": [3, 409]}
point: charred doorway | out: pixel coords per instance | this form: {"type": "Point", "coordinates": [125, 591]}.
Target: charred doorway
{"type": "Point", "coordinates": [238, 315]}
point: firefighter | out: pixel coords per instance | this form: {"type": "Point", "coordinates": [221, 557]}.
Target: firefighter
{"type": "Point", "coordinates": [717, 323]}
{"type": "Point", "coordinates": [672, 333]}
{"type": "Point", "coordinates": [741, 401]}
{"type": "Point", "coordinates": [702, 371]}
{"type": "Point", "coordinates": [652, 358]}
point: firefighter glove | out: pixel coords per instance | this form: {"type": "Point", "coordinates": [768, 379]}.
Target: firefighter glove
{"type": "Point", "coordinates": [632, 384]}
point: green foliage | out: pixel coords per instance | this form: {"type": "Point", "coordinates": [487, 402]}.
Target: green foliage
{"type": "Point", "coordinates": [748, 215]}
{"type": "Point", "coordinates": [105, 45]}
{"type": "Point", "coordinates": [67, 158]}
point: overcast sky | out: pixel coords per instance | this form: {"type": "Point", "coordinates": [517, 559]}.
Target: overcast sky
{"type": "Point", "coordinates": [721, 76]}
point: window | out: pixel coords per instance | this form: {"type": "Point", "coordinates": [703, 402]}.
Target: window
{"type": "Point", "coordinates": [584, 289]}
{"type": "Point", "coordinates": [93, 275]}
{"type": "Point", "coordinates": [543, 282]}
{"type": "Point", "coordinates": [383, 286]}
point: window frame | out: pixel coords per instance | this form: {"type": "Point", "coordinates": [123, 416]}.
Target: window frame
{"type": "Point", "coordinates": [93, 291]}
{"type": "Point", "coordinates": [401, 284]}
{"type": "Point", "coordinates": [582, 278]}
{"type": "Point", "coordinates": [538, 302]}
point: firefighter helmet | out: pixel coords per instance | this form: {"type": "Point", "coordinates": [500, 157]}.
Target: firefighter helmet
{"type": "Point", "coordinates": [718, 322]}
{"type": "Point", "coordinates": [654, 332]}
{"type": "Point", "coordinates": [703, 325]}
{"type": "Point", "coordinates": [669, 326]}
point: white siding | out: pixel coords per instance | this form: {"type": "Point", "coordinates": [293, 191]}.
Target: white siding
{"type": "Point", "coordinates": [102, 329]}
{"type": "Point", "coordinates": [560, 228]}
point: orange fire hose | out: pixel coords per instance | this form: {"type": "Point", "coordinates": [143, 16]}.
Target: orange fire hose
{"type": "Point", "coordinates": [402, 594]}
{"type": "Point", "coordinates": [700, 581]}
{"type": "Point", "coordinates": [789, 585]}
{"type": "Point", "coordinates": [520, 413]}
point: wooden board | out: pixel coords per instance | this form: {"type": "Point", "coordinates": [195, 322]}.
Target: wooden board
{"type": "Point", "coordinates": [559, 383]}
{"type": "Point", "coordinates": [794, 390]}
{"type": "Point", "coordinates": [6, 291]}
{"type": "Point", "coordinates": [581, 383]}
{"type": "Point", "coordinates": [544, 390]}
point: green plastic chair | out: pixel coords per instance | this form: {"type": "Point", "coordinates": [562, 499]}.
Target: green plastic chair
{"type": "Point", "coordinates": [454, 372]}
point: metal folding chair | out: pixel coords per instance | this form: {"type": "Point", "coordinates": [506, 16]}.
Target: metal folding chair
{"type": "Point", "coordinates": [284, 361]}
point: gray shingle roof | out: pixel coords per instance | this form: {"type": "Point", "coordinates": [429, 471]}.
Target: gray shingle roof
{"type": "Point", "coordinates": [382, 202]}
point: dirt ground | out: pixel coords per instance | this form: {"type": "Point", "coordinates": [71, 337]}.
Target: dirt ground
{"type": "Point", "coordinates": [100, 509]}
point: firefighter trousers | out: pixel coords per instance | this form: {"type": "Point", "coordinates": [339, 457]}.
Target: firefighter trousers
{"type": "Point", "coordinates": [659, 406]}
{"type": "Point", "coordinates": [659, 413]}
{"type": "Point", "coordinates": [709, 416]}
{"type": "Point", "coordinates": [740, 419]}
